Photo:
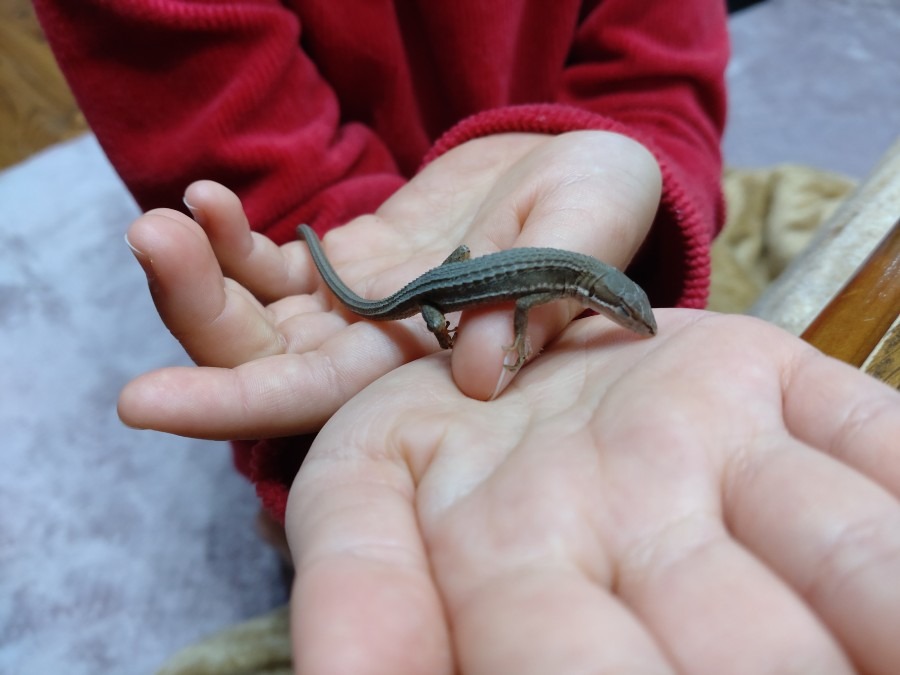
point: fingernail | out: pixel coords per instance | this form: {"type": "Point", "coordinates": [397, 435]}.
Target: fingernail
{"type": "Point", "coordinates": [195, 212]}
{"type": "Point", "coordinates": [506, 377]}
{"type": "Point", "coordinates": [142, 258]}
{"type": "Point", "coordinates": [134, 249]}
{"type": "Point", "coordinates": [511, 366]}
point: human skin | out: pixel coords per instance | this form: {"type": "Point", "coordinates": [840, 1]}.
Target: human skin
{"type": "Point", "coordinates": [235, 300]}
{"type": "Point", "coordinates": [719, 498]}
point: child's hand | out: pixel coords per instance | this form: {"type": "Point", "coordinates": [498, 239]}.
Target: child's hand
{"type": "Point", "coordinates": [295, 355]}
{"type": "Point", "coordinates": [720, 499]}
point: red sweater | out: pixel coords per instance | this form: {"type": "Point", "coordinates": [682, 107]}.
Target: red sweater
{"type": "Point", "coordinates": [318, 111]}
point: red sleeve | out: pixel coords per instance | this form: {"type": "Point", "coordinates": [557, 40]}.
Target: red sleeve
{"type": "Point", "coordinates": [654, 72]}
{"type": "Point", "coordinates": [179, 90]}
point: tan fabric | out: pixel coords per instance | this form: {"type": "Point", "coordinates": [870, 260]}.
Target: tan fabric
{"type": "Point", "coordinates": [772, 215]}
{"type": "Point", "coordinates": [260, 646]}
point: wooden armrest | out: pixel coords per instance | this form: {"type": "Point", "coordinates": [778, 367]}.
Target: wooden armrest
{"type": "Point", "coordinates": [859, 325]}
{"type": "Point", "coordinates": [836, 297]}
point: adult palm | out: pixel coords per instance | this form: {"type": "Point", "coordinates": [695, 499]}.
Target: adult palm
{"type": "Point", "coordinates": [720, 499]}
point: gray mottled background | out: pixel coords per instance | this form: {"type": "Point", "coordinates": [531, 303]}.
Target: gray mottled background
{"type": "Point", "coordinates": [815, 82]}
{"type": "Point", "coordinates": [116, 546]}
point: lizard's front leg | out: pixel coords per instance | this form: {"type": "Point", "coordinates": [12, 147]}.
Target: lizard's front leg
{"type": "Point", "coordinates": [520, 326]}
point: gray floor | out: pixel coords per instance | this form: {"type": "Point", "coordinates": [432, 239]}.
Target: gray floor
{"type": "Point", "coordinates": [815, 82]}
{"type": "Point", "coordinates": [117, 547]}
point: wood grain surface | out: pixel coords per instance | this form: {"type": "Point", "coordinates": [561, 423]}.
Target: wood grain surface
{"type": "Point", "coordinates": [859, 317]}
{"type": "Point", "coordinates": [36, 107]}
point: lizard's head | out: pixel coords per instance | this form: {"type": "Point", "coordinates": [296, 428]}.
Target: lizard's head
{"type": "Point", "coordinates": [623, 301]}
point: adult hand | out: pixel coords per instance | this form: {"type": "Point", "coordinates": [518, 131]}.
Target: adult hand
{"type": "Point", "coordinates": [720, 499]}
{"type": "Point", "coordinates": [282, 355]}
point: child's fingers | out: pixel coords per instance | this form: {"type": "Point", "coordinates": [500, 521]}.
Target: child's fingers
{"type": "Point", "coordinates": [217, 322]}
{"type": "Point", "coordinates": [558, 196]}
{"type": "Point", "coordinates": [592, 192]}
{"type": "Point", "coordinates": [265, 269]}
{"type": "Point", "coordinates": [282, 395]}
{"type": "Point", "coordinates": [482, 352]}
